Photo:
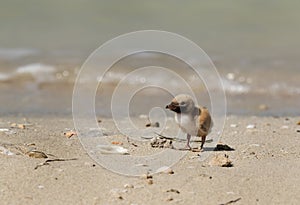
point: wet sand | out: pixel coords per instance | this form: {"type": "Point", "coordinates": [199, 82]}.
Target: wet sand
{"type": "Point", "coordinates": [266, 164]}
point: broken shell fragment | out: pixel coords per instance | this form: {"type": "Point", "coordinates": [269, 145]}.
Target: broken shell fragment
{"type": "Point", "coordinates": [156, 124]}
{"type": "Point", "coordinates": [69, 134]}
{"type": "Point", "coordinates": [117, 143]}
{"type": "Point", "coordinates": [112, 149]}
{"type": "Point", "coordinates": [15, 125]}
{"type": "Point", "coordinates": [36, 154]}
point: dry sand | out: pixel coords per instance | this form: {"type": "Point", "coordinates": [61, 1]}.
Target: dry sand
{"type": "Point", "coordinates": [266, 164]}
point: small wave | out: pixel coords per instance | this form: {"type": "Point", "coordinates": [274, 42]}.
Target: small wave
{"type": "Point", "coordinates": [37, 72]}
{"type": "Point", "coordinates": [234, 87]}
{"type": "Point", "coordinates": [36, 68]}
{"type": "Point", "coordinates": [40, 72]}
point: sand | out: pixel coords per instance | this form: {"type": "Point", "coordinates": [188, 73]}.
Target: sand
{"type": "Point", "coordinates": [266, 164]}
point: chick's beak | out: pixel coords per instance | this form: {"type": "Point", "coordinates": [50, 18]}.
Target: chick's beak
{"type": "Point", "coordinates": [172, 106]}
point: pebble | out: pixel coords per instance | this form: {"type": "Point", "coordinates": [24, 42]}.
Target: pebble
{"type": "Point", "coordinates": [165, 169]}
{"type": "Point", "coordinates": [156, 124]}
{"type": "Point", "coordinates": [146, 176]}
{"type": "Point", "coordinates": [221, 160]}
{"type": "Point", "coordinates": [251, 126]}
{"type": "Point", "coordinates": [284, 127]}
{"type": "Point", "coordinates": [116, 193]}
{"type": "Point", "coordinates": [233, 125]}
{"type": "Point", "coordinates": [169, 171]}
{"type": "Point", "coordinates": [298, 123]}
{"type": "Point", "coordinates": [169, 198]}
{"type": "Point", "coordinates": [41, 187]}
{"type": "Point", "coordinates": [130, 186]}
{"type": "Point", "coordinates": [150, 181]}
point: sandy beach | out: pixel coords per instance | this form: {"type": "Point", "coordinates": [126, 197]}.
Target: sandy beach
{"type": "Point", "coordinates": [68, 70]}
{"type": "Point", "coordinates": [265, 167]}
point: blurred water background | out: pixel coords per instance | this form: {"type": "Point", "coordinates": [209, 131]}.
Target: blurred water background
{"type": "Point", "coordinates": [254, 44]}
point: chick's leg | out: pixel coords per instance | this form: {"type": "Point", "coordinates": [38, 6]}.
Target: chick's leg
{"type": "Point", "coordinates": [187, 146]}
{"type": "Point", "coordinates": [188, 137]}
{"type": "Point", "coordinates": [202, 142]}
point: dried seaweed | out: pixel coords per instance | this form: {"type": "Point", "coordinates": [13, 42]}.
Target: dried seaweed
{"type": "Point", "coordinates": [53, 160]}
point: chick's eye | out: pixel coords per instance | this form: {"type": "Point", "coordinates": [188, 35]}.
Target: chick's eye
{"type": "Point", "coordinates": [182, 103]}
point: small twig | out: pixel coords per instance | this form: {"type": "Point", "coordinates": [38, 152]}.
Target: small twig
{"type": "Point", "coordinates": [53, 160]}
{"type": "Point", "coordinates": [173, 190]}
{"type": "Point", "coordinates": [179, 140]}
{"type": "Point", "coordinates": [232, 201]}
{"type": "Point", "coordinates": [165, 137]}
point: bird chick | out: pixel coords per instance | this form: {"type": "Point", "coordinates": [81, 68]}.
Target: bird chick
{"type": "Point", "coordinates": [193, 120]}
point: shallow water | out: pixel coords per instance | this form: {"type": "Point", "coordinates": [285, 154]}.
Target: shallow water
{"type": "Point", "coordinates": [253, 44]}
